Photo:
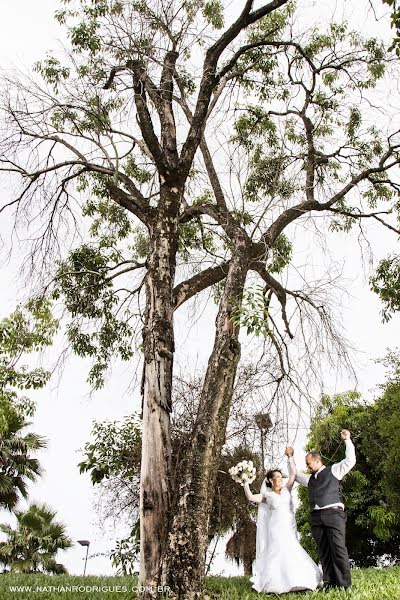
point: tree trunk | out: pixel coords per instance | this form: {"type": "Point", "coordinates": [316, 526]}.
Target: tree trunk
{"type": "Point", "coordinates": [247, 566]}
{"type": "Point", "coordinates": [158, 344]}
{"type": "Point", "coordinates": [184, 568]}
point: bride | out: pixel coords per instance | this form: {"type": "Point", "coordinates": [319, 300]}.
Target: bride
{"type": "Point", "coordinates": [282, 565]}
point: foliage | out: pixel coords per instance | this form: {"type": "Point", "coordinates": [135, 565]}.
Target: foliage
{"type": "Point", "coordinates": [115, 450]}
{"type": "Point", "coordinates": [287, 92]}
{"type": "Point", "coordinates": [114, 455]}
{"type": "Point", "coordinates": [295, 102]}
{"type": "Point", "coordinates": [113, 461]}
{"type": "Point", "coordinates": [332, 68]}
{"type": "Point", "coordinates": [193, 236]}
{"type": "Point", "coordinates": [17, 463]}
{"type": "Point", "coordinates": [126, 552]}
{"type": "Point", "coordinates": [395, 18]}
{"type": "Point", "coordinates": [252, 311]}
{"type": "Point", "coordinates": [230, 503]}
{"type": "Point", "coordinates": [241, 546]}
{"type": "Point", "coordinates": [386, 283]}
{"type": "Point", "coordinates": [27, 330]}
{"type": "Point", "coordinates": [88, 294]}
{"type": "Point", "coordinates": [32, 546]}
{"type": "Point", "coordinates": [371, 489]}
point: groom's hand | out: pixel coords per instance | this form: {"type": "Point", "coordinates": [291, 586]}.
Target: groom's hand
{"type": "Point", "coordinates": [344, 434]}
{"type": "Point", "coordinates": [289, 452]}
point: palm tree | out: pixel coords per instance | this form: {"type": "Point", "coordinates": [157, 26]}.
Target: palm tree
{"type": "Point", "coordinates": [17, 465]}
{"type": "Point", "coordinates": [33, 545]}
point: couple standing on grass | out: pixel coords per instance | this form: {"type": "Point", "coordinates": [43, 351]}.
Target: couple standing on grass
{"type": "Point", "coordinates": [282, 565]}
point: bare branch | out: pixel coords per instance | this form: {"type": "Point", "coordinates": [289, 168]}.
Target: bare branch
{"type": "Point", "coordinates": [360, 215]}
{"type": "Point", "coordinates": [146, 124]}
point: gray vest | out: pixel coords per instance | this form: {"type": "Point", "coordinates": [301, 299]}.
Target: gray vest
{"type": "Point", "coordinates": [325, 489]}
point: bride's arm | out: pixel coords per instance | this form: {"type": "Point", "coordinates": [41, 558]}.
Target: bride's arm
{"type": "Point", "coordinates": [292, 473]}
{"type": "Point", "coordinates": [257, 498]}
{"type": "Point", "coordinates": [291, 468]}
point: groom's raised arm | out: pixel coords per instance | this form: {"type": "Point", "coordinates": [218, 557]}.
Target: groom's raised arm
{"type": "Point", "coordinates": [340, 469]}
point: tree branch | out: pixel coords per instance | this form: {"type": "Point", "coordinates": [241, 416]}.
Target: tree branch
{"type": "Point", "coordinates": [293, 213]}
{"type": "Point", "coordinates": [277, 288]}
{"type": "Point", "coordinates": [199, 282]}
{"type": "Point", "coordinates": [140, 79]}
{"type": "Point", "coordinates": [167, 118]}
{"type": "Point", "coordinates": [361, 215]}
{"type": "Point", "coordinates": [129, 202]}
{"type": "Point", "coordinates": [211, 171]}
{"type": "Point", "coordinates": [210, 79]}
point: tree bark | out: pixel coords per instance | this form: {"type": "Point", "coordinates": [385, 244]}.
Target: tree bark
{"type": "Point", "coordinates": [158, 345]}
{"type": "Point", "coordinates": [247, 567]}
{"type": "Point", "coordinates": [184, 568]}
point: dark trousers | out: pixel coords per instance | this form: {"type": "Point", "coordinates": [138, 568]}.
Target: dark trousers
{"type": "Point", "coordinates": [328, 527]}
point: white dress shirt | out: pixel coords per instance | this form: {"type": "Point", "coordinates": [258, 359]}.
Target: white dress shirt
{"type": "Point", "coordinates": [339, 470]}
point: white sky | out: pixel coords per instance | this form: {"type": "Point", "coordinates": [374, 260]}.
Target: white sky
{"type": "Point", "coordinates": [65, 412]}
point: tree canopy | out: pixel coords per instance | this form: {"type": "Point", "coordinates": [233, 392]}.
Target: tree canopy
{"type": "Point", "coordinates": [292, 108]}
{"type": "Point", "coordinates": [371, 489]}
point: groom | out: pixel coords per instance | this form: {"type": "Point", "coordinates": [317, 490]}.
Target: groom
{"type": "Point", "coordinates": [328, 517]}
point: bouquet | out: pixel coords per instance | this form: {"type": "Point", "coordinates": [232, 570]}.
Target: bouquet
{"type": "Point", "coordinates": [243, 472]}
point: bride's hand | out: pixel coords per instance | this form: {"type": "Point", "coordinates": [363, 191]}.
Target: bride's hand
{"type": "Point", "coordinates": [289, 452]}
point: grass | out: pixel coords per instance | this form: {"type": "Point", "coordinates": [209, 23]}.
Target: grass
{"type": "Point", "coordinates": [368, 584]}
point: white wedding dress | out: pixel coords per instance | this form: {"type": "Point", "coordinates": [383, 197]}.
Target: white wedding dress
{"type": "Point", "coordinates": [282, 565]}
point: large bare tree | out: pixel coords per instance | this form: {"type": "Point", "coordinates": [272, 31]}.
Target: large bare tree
{"type": "Point", "coordinates": [131, 123]}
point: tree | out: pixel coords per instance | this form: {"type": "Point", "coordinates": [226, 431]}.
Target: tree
{"type": "Point", "coordinates": [371, 488]}
{"type": "Point", "coordinates": [17, 463]}
{"type": "Point", "coordinates": [32, 546]}
{"type": "Point", "coordinates": [112, 458]}
{"type": "Point", "coordinates": [26, 330]}
{"type": "Point", "coordinates": [110, 125]}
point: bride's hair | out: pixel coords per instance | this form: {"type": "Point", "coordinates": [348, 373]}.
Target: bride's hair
{"type": "Point", "coordinates": [269, 475]}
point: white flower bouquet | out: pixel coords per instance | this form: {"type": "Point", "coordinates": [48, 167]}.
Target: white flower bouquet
{"type": "Point", "coordinates": [243, 472]}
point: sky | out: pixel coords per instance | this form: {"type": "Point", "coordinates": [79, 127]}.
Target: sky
{"type": "Point", "coordinates": [66, 409]}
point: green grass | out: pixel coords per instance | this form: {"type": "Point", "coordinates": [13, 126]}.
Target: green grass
{"type": "Point", "coordinates": [368, 584]}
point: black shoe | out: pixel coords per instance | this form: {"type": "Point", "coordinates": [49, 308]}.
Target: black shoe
{"type": "Point", "coordinates": [328, 586]}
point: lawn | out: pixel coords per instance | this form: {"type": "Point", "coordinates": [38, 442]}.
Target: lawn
{"type": "Point", "coordinates": [368, 584]}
